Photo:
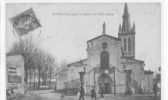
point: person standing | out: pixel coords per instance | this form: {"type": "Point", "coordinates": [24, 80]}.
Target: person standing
{"type": "Point", "coordinates": [78, 93]}
{"type": "Point", "coordinates": [93, 94]}
{"type": "Point", "coordinates": [62, 96]}
{"type": "Point", "coordinates": [82, 94]}
{"type": "Point", "coordinates": [101, 92]}
{"type": "Point", "coordinates": [155, 88]}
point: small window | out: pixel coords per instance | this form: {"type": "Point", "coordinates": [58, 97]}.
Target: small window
{"type": "Point", "coordinates": [104, 45]}
{"type": "Point", "coordinates": [129, 44]}
{"type": "Point", "coordinates": [125, 44]}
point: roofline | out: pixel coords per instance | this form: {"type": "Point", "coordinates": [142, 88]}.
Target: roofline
{"type": "Point", "coordinates": [76, 62]}
{"type": "Point", "coordinates": [112, 37]}
{"type": "Point", "coordinates": [134, 59]}
{"type": "Point", "coordinates": [133, 33]}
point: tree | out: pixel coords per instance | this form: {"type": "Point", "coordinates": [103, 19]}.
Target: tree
{"type": "Point", "coordinates": [48, 66]}
{"type": "Point", "coordinates": [34, 59]}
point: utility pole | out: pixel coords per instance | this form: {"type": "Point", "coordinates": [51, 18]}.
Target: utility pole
{"type": "Point", "coordinates": [82, 84]}
{"type": "Point", "coordinates": [95, 83]}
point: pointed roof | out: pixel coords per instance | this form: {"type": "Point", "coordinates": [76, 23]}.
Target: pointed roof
{"type": "Point", "coordinates": [129, 59]}
{"type": "Point", "coordinates": [79, 63]}
{"type": "Point", "coordinates": [103, 34]}
{"type": "Point", "coordinates": [126, 20]}
{"type": "Point", "coordinates": [106, 35]}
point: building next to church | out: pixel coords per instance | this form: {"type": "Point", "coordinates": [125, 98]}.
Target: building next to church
{"type": "Point", "coordinates": [110, 66]}
{"type": "Point", "coordinates": [15, 73]}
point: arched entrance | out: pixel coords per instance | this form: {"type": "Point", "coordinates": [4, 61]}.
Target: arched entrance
{"type": "Point", "coordinates": [105, 83]}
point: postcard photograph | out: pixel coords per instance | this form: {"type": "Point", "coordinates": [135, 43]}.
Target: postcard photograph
{"type": "Point", "coordinates": [83, 51]}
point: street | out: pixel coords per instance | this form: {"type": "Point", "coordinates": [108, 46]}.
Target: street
{"type": "Point", "coordinates": [50, 95]}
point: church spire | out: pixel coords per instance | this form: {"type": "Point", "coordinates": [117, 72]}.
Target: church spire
{"type": "Point", "coordinates": [127, 34]}
{"type": "Point", "coordinates": [104, 28]}
{"type": "Point", "coordinates": [126, 9]}
{"type": "Point", "coordinates": [126, 20]}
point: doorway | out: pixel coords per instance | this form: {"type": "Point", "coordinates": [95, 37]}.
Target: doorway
{"type": "Point", "coordinates": [105, 84]}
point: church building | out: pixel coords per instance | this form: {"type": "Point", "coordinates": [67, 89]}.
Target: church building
{"type": "Point", "coordinates": [110, 66]}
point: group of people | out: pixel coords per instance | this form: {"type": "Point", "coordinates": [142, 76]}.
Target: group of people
{"type": "Point", "coordinates": [156, 88]}
{"type": "Point", "coordinates": [81, 94]}
{"type": "Point", "coordinates": [10, 92]}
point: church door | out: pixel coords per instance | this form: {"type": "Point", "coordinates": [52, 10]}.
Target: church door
{"type": "Point", "coordinates": [105, 84]}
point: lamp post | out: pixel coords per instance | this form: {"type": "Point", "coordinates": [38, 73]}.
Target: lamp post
{"type": "Point", "coordinates": [82, 77]}
{"type": "Point", "coordinates": [94, 79]}
{"type": "Point", "coordinates": [82, 93]}
{"type": "Point", "coordinates": [56, 81]}
{"type": "Point", "coordinates": [94, 76]}
{"type": "Point", "coordinates": [95, 85]}
{"type": "Point", "coordinates": [113, 70]}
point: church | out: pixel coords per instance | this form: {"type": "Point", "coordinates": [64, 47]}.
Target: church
{"type": "Point", "coordinates": [110, 66]}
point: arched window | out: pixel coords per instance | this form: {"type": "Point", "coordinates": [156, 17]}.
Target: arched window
{"type": "Point", "coordinates": [104, 60]}
{"type": "Point", "coordinates": [129, 44]}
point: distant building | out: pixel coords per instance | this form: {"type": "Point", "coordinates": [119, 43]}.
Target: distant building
{"type": "Point", "coordinates": [148, 82]}
{"type": "Point", "coordinates": [61, 78]}
{"type": "Point", "coordinates": [15, 73]}
{"type": "Point", "coordinates": [111, 65]}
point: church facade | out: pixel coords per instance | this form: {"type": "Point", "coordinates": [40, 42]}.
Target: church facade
{"type": "Point", "coordinates": [110, 66]}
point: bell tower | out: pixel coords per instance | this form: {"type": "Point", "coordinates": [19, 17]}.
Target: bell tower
{"type": "Point", "coordinates": [127, 35]}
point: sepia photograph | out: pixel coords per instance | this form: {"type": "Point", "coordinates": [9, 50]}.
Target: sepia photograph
{"type": "Point", "coordinates": [83, 51]}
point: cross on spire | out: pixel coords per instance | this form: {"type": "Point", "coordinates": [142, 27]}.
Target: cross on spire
{"type": "Point", "coordinates": [104, 28]}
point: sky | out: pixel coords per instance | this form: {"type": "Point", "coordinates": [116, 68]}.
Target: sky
{"type": "Point", "coordinates": [65, 36]}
